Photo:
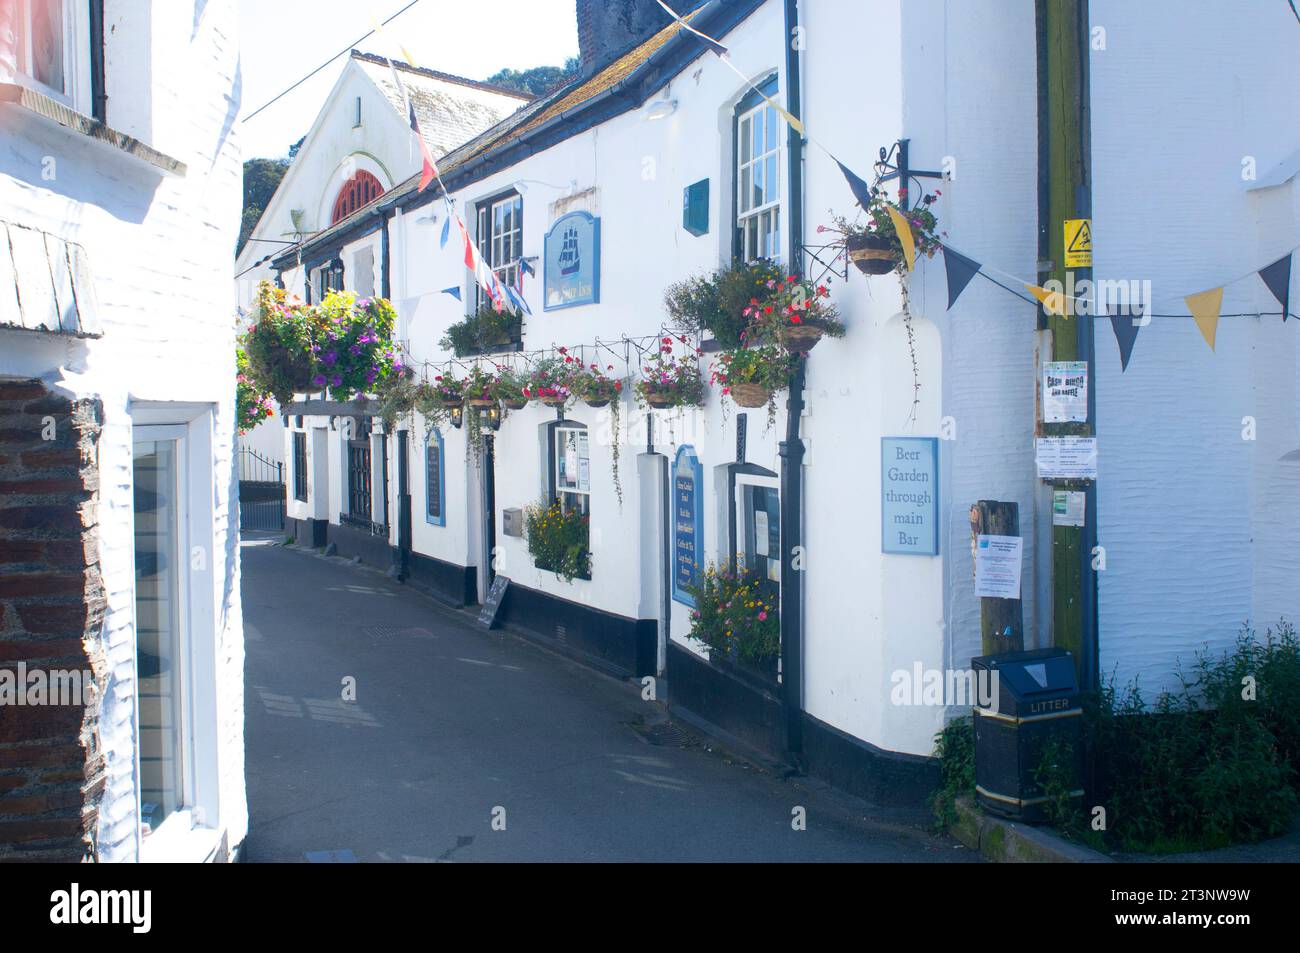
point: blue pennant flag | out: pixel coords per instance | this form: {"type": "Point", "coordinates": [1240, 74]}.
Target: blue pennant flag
{"type": "Point", "coordinates": [527, 266]}
{"type": "Point", "coordinates": [454, 291]}
{"type": "Point", "coordinates": [446, 232]}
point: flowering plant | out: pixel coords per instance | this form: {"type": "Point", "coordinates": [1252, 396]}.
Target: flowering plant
{"type": "Point", "coordinates": [716, 302]}
{"type": "Point", "coordinates": [558, 540]}
{"type": "Point", "coordinates": [548, 379]}
{"type": "Point", "coordinates": [278, 344]}
{"type": "Point", "coordinates": [487, 329]}
{"type": "Point", "coordinates": [671, 380]}
{"type": "Point", "coordinates": [509, 385]}
{"type": "Point", "coordinates": [479, 385]}
{"type": "Point", "coordinates": [593, 386]}
{"type": "Point", "coordinates": [436, 399]}
{"type": "Point", "coordinates": [765, 367]}
{"type": "Point", "coordinates": [252, 403]}
{"type": "Point", "coordinates": [354, 349]}
{"type": "Point", "coordinates": [735, 615]}
{"type": "Point", "coordinates": [792, 302]}
{"type": "Point", "coordinates": [879, 224]}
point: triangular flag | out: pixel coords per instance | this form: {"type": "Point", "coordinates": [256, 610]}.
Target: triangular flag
{"type": "Point", "coordinates": [960, 271]}
{"type": "Point", "coordinates": [1053, 301]}
{"type": "Point", "coordinates": [454, 291]}
{"type": "Point", "coordinates": [446, 232]}
{"type": "Point", "coordinates": [428, 171]}
{"type": "Point", "coordinates": [525, 268]}
{"type": "Point", "coordinates": [1126, 332]}
{"type": "Point", "coordinates": [857, 185]}
{"type": "Point", "coordinates": [904, 230]}
{"type": "Point", "coordinates": [1278, 278]}
{"type": "Point", "coordinates": [1205, 308]}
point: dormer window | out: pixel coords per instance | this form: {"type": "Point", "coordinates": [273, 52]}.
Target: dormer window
{"type": "Point", "coordinates": [357, 191]}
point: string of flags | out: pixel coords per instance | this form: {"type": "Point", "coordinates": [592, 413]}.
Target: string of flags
{"type": "Point", "coordinates": [500, 294]}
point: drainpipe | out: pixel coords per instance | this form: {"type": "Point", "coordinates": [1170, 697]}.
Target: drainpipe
{"type": "Point", "coordinates": [792, 450]}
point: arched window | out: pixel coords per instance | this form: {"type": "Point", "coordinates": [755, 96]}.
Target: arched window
{"type": "Point", "coordinates": [356, 192]}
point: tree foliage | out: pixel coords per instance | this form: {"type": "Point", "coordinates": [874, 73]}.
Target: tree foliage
{"type": "Point", "coordinates": [539, 80]}
{"type": "Point", "coordinates": [261, 179]}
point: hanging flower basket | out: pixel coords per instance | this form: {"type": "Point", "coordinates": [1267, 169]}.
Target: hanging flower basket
{"type": "Point", "coordinates": [800, 338]}
{"type": "Point", "coordinates": [660, 401]}
{"type": "Point", "coordinates": [669, 380]}
{"type": "Point", "coordinates": [554, 400]}
{"type": "Point", "coordinates": [480, 403]}
{"type": "Point", "coordinates": [750, 395]}
{"type": "Point", "coordinates": [873, 254]}
{"type": "Point", "coordinates": [516, 404]}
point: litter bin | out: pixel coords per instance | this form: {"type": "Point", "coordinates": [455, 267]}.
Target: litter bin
{"type": "Point", "coordinates": [1035, 701]}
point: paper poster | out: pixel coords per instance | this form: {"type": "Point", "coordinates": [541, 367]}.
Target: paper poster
{"type": "Point", "coordinates": [1067, 458]}
{"type": "Point", "coordinates": [760, 532]}
{"type": "Point", "coordinates": [1065, 391]}
{"type": "Point", "coordinates": [997, 566]}
{"type": "Point", "coordinates": [1068, 507]}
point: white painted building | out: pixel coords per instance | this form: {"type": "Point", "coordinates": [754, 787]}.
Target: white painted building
{"type": "Point", "coordinates": [359, 147]}
{"type": "Point", "coordinates": [119, 195]}
{"type": "Point", "coordinates": [1195, 542]}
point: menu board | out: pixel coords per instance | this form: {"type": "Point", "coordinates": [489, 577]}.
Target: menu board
{"type": "Point", "coordinates": [687, 476]}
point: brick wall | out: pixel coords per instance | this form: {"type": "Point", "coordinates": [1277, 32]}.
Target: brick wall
{"type": "Point", "coordinates": [52, 771]}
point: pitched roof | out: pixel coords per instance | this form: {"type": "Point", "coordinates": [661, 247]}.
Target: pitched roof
{"type": "Point", "coordinates": [451, 109]}
{"type": "Point", "coordinates": [627, 66]}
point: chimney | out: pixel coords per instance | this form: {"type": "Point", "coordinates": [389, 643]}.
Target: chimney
{"type": "Point", "coordinates": [607, 26]}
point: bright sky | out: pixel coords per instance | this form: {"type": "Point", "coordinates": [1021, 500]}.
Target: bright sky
{"type": "Point", "coordinates": [283, 40]}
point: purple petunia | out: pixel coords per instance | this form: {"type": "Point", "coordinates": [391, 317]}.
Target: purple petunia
{"type": "Point", "coordinates": [318, 380]}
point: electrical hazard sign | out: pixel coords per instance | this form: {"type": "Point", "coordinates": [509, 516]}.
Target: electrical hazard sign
{"type": "Point", "coordinates": [1078, 243]}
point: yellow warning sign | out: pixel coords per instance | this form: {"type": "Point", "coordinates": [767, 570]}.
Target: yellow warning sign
{"type": "Point", "coordinates": [1078, 243]}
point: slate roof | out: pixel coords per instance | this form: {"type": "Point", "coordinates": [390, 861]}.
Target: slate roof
{"type": "Point", "coordinates": [449, 114]}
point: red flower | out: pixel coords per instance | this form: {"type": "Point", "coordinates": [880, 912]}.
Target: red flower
{"type": "Point", "coordinates": [668, 341]}
{"type": "Point", "coordinates": [795, 319]}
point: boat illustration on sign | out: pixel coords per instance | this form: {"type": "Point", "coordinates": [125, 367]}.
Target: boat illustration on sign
{"type": "Point", "coordinates": [570, 259]}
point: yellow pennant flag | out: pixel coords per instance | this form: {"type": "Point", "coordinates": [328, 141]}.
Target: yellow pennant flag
{"type": "Point", "coordinates": [1053, 301]}
{"type": "Point", "coordinates": [904, 230]}
{"type": "Point", "coordinates": [1205, 308]}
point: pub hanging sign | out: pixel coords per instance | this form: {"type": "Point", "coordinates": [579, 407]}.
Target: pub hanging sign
{"type": "Point", "coordinates": [571, 274]}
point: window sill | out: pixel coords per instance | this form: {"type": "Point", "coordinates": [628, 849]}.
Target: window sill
{"type": "Point", "coordinates": [178, 842]}
{"type": "Point", "coordinates": [51, 110]}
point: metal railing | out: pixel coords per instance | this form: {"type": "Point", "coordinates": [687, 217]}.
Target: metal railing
{"type": "Point", "coordinates": [255, 468]}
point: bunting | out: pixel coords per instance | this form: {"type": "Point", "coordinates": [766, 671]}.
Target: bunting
{"type": "Point", "coordinates": [1126, 332]}
{"type": "Point", "coordinates": [446, 232]}
{"type": "Point", "coordinates": [904, 230]}
{"type": "Point", "coordinates": [1053, 302]}
{"type": "Point", "coordinates": [454, 291]}
{"type": "Point", "coordinates": [1205, 307]}
{"type": "Point", "coordinates": [959, 270]}
{"type": "Point", "coordinates": [428, 170]}
{"type": "Point", "coordinates": [1277, 277]}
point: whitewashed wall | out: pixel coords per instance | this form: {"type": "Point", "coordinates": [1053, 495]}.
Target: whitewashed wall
{"type": "Point", "coordinates": [159, 247]}
{"type": "Point", "coordinates": [1199, 525]}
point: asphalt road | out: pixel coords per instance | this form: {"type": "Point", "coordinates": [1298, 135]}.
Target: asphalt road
{"type": "Point", "coordinates": [456, 733]}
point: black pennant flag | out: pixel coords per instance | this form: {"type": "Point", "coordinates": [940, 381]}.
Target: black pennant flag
{"type": "Point", "coordinates": [1278, 278]}
{"type": "Point", "coordinates": [960, 271]}
{"type": "Point", "coordinates": [861, 191]}
{"type": "Point", "coordinates": [1126, 332]}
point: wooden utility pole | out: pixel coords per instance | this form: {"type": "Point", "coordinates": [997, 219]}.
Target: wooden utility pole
{"type": "Point", "coordinates": [1064, 147]}
{"type": "Point", "coordinates": [1002, 621]}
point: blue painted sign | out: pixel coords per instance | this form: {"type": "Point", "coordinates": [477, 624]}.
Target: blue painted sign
{"type": "Point", "coordinates": [909, 495]}
{"type": "Point", "coordinates": [688, 520]}
{"type": "Point", "coordinates": [572, 266]}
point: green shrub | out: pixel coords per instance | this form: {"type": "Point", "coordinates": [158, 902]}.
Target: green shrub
{"type": "Point", "coordinates": [559, 541]}
{"type": "Point", "coordinates": [485, 330]}
{"type": "Point", "coordinates": [954, 747]}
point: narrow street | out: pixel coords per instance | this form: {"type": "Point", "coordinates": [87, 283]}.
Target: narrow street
{"type": "Point", "coordinates": [452, 723]}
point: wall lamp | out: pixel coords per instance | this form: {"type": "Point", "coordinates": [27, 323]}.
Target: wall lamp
{"type": "Point", "coordinates": [659, 109]}
{"type": "Point", "coordinates": [458, 416]}
{"type": "Point", "coordinates": [494, 417]}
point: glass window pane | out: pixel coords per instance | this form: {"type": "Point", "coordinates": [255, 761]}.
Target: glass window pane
{"type": "Point", "coordinates": [159, 620]}
{"type": "Point", "coordinates": [743, 135]}
{"type": "Point", "coordinates": [759, 187]}
{"type": "Point", "coordinates": [771, 129]}
{"type": "Point", "coordinates": [744, 189]}
{"type": "Point", "coordinates": [770, 179]}
{"type": "Point", "coordinates": [47, 43]}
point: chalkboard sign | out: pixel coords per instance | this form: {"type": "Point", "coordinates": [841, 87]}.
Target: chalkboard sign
{"type": "Point", "coordinates": [492, 604]}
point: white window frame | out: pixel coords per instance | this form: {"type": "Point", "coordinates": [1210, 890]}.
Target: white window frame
{"type": "Point", "coordinates": [562, 491]}
{"type": "Point", "coordinates": [493, 244]}
{"type": "Point", "coordinates": [192, 832]}
{"type": "Point", "coordinates": [76, 53]}
{"type": "Point", "coordinates": [739, 545]}
{"type": "Point", "coordinates": [755, 163]}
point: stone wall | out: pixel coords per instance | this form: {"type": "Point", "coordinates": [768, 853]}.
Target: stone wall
{"type": "Point", "coordinates": [52, 771]}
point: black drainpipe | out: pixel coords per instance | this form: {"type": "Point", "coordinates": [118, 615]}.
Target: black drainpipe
{"type": "Point", "coordinates": [792, 446]}
{"type": "Point", "coordinates": [385, 262]}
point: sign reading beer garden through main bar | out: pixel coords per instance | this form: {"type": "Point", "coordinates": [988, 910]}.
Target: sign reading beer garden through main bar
{"type": "Point", "coordinates": [909, 495]}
